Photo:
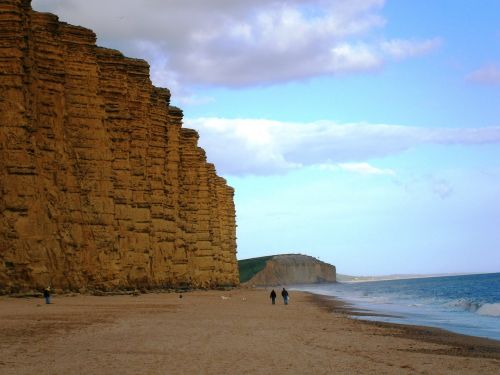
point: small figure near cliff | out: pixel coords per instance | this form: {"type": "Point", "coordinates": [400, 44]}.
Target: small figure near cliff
{"type": "Point", "coordinates": [273, 296]}
{"type": "Point", "coordinates": [46, 295]}
{"type": "Point", "coordinates": [284, 294]}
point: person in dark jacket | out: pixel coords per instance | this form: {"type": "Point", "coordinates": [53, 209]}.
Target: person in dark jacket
{"type": "Point", "coordinates": [273, 296]}
{"type": "Point", "coordinates": [284, 294]}
{"type": "Point", "coordinates": [46, 295]}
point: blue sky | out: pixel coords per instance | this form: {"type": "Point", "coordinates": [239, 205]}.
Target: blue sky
{"type": "Point", "coordinates": [364, 132]}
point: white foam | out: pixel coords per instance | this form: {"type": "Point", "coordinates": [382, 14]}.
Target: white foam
{"type": "Point", "coordinates": [490, 309]}
{"type": "Point", "coordinates": [464, 304]}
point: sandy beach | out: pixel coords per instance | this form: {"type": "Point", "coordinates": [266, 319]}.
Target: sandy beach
{"type": "Point", "coordinates": [222, 332]}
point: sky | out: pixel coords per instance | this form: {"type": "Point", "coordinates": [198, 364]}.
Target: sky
{"type": "Point", "coordinates": [365, 133]}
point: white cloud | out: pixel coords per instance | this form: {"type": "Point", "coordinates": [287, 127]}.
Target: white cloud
{"type": "Point", "coordinates": [261, 147]}
{"type": "Point", "coordinates": [400, 48]}
{"type": "Point", "coordinates": [358, 168]}
{"type": "Point", "coordinates": [347, 58]}
{"type": "Point", "coordinates": [362, 168]}
{"type": "Point", "coordinates": [488, 75]}
{"type": "Point", "coordinates": [365, 168]}
{"type": "Point", "coordinates": [238, 43]}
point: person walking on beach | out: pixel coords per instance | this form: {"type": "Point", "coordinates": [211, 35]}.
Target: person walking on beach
{"type": "Point", "coordinates": [284, 294]}
{"type": "Point", "coordinates": [46, 295]}
{"type": "Point", "coordinates": [273, 296]}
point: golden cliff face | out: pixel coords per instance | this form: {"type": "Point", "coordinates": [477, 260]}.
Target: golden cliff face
{"type": "Point", "coordinates": [100, 186]}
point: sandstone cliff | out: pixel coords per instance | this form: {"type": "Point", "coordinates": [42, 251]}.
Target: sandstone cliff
{"type": "Point", "coordinates": [100, 186]}
{"type": "Point", "coordinates": [292, 269]}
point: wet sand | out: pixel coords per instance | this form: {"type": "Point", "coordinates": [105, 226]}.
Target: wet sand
{"type": "Point", "coordinates": [222, 332]}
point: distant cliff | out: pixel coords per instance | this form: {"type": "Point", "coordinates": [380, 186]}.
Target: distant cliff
{"type": "Point", "coordinates": [285, 269]}
{"type": "Point", "coordinates": [100, 186]}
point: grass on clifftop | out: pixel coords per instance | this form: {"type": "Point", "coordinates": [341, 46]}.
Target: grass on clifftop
{"type": "Point", "coordinates": [249, 267]}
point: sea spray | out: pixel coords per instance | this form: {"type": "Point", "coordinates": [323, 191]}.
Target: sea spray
{"type": "Point", "coordinates": [491, 309]}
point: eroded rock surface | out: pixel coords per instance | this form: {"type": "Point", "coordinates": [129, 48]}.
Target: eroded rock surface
{"type": "Point", "coordinates": [100, 186]}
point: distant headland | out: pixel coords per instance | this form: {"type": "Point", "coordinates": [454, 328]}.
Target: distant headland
{"type": "Point", "coordinates": [285, 269]}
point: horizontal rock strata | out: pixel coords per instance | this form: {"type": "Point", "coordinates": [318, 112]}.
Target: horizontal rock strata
{"type": "Point", "coordinates": [100, 186]}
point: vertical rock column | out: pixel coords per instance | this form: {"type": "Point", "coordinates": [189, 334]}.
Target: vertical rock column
{"type": "Point", "coordinates": [138, 96]}
{"type": "Point", "coordinates": [113, 88]}
{"type": "Point", "coordinates": [90, 196]}
{"type": "Point", "coordinates": [231, 274]}
{"type": "Point", "coordinates": [17, 164]}
{"type": "Point", "coordinates": [157, 168]}
{"type": "Point", "coordinates": [50, 216]}
{"type": "Point", "coordinates": [188, 205]}
{"type": "Point", "coordinates": [205, 256]}
{"type": "Point", "coordinates": [226, 213]}
{"type": "Point", "coordinates": [215, 223]}
{"type": "Point", "coordinates": [176, 242]}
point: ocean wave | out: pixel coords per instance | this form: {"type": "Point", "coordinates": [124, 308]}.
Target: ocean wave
{"type": "Point", "coordinates": [490, 309]}
{"type": "Point", "coordinates": [465, 304]}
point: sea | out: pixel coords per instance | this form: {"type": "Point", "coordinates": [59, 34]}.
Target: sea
{"type": "Point", "coordinates": [468, 304]}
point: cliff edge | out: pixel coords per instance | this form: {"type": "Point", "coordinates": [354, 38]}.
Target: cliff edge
{"type": "Point", "coordinates": [100, 185]}
{"type": "Point", "coordinates": [285, 270]}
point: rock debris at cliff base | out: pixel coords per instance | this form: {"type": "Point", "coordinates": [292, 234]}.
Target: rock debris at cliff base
{"type": "Point", "coordinates": [100, 186]}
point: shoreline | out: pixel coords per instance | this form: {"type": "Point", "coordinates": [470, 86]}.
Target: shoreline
{"type": "Point", "coordinates": [471, 316]}
{"type": "Point", "coordinates": [463, 345]}
{"type": "Point", "coordinates": [218, 332]}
